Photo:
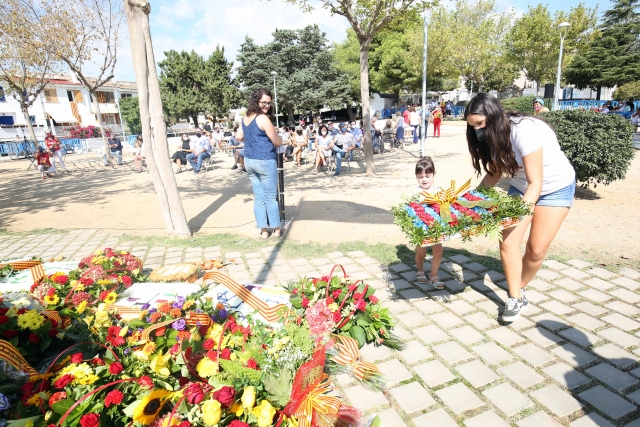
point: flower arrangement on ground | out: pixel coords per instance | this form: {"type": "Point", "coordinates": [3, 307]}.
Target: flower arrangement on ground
{"type": "Point", "coordinates": [343, 306]}
{"type": "Point", "coordinates": [428, 219]}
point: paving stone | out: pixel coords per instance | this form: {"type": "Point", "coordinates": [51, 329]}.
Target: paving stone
{"type": "Point", "coordinates": [459, 259]}
{"type": "Point", "coordinates": [437, 418]}
{"type": "Point", "coordinates": [578, 263]}
{"type": "Point", "coordinates": [371, 353]}
{"type": "Point", "coordinates": [466, 335]}
{"type": "Point", "coordinates": [634, 423]}
{"type": "Point", "coordinates": [634, 397]}
{"type": "Point", "coordinates": [431, 334]}
{"type": "Point", "coordinates": [412, 397]}
{"type": "Point", "coordinates": [494, 276]}
{"type": "Point", "coordinates": [522, 324]}
{"type": "Point", "coordinates": [412, 319]}
{"type": "Point", "coordinates": [557, 307]}
{"type": "Point", "coordinates": [460, 307]}
{"type": "Point", "coordinates": [607, 402]}
{"type": "Point", "coordinates": [447, 320]}
{"type": "Point", "coordinates": [480, 321]}
{"type": "Point", "coordinates": [599, 284]}
{"type": "Point", "coordinates": [475, 266]}
{"type": "Point", "coordinates": [616, 356]}
{"type": "Point", "coordinates": [397, 307]}
{"type": "Point", "coordinates": [442, 296]}
{"type": "Point", "coordinates": [390, 417]}
{"type": "Point", "coordinates": [614, 378]}
{"type": "Point", "coordinates": [414, 351]}
{"type": "Point", "coordinates": [477, 374]}
{"type": "Point", "coordinates": [542, 337]}
{"type": "Point", "coordinates": [452, 352]}
{"type": "Point", "coordinates": [585, 322]}
{"type": "Point", "coordinates": [394, 372]}
{"type": "Point", "coordinates": [616, 336]}
{"type": "Point", "coordinates": [434, 373]}
{"type": "Point", "coordinates": [594, 295]}
{"type": "Point", "coordinates": [428, 306]}
{"type": "Point", "coordinates": [626, 295]}
{"type": "Point", "coordinates": [505, 336]}
{"type": "Point", "coordinates": [592, 309]}
{"type": "Point", "coordinates": [320, 261]}
{"type": "Point", "coordinates": [364, 398]}
{"type": "Point", "coordinates": [573, 355]}
{"type": "Point", "coordinates": [554, 265]}
{"type": "Point", "coordinates": [563, 296]}
{"type": "Point", "coordinates": [635, 372]}
{"type": "Point", "coordinates": [575, 274]}
{"type": "Point", "coordinates": [538, 419]}
{"type": "Point", "coordinates": [535, 296]}
{"type": "Point", "coordinates": [491, 307]}
{"type": "Point", "coordinates": [550, 321]}
{"type": "Point", "coordinates": [472, 296]}
{"type": "Point", "coordinates": [492, 353]}
{"type": "Point", "coordinates": [601, 272]}
{"type": "Point", "coordinates": [533, 355]}
{"type": "Point", "coordinates": [411, 294]}
{"type": "Point", "coordinates": [623, 308]}
{"type": "Point", "coordinates": [510, 406]}
{"type": "Point", "coordinates": [521, 374]}
{"type": "Point", "coordinates": [455, 285]}
{"type": "Point", "coordinates": [632, 274]}
{"type": "Point", "coordinates": [395, 267]}
{"type": "Point", "coordinates": [580, 337]}
{"type": "Point", "coordinates": [556, 400]}
{"type": "Point", "coordinates": [459, 398]}
{"type": "Point", "coordinates": [486, 419]}
{"type": "Point", "coordinates": [566, 375]}
{"type": "Point", "coordinates": [591, 420]}
{"type": "Point", "coordinates": [548, 275]}
{"type": "Point", "coordinates": [483, 285]}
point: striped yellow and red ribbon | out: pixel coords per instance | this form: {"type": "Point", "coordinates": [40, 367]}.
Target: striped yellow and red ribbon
{"type": "Point", "coordinates": [317, 401]}
{"type": "Point", "coordinates": [12, 356]}
{"type": "Point", "coordinates": [349, 355]}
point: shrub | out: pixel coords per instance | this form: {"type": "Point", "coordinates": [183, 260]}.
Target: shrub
{"type": "Point", "coordinates": [627, 91]}
{"type": "Point", "coordinates": [523, 104]}
{"type": "Point", "coordinates": [599, 146]}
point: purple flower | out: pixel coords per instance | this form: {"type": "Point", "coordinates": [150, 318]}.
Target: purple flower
{"type": "Point", "coordinates": [179, 324]}
{"type": "Point", "coordinates": [197, 310]}
{"type": "Point", "coordinates": [153, 310]}
{"type": "Point", "coordinates": [127, 351]}
{"type": "Point", "coordinates": [176, 305]}
{"type": "Point", "coordinates": [145, 306]}
{"type": "Point", "coordinates": [148, 320]}
{"type": "Point", "coordinates": [222, 314]}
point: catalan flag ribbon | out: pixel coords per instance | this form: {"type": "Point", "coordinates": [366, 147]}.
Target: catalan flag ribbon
{"type": "Point", "coordinates": [12, 356]}
{"type": "Point", "coordinates": [446, 197]}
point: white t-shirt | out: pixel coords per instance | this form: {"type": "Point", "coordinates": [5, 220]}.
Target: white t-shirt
{"type": "Point", "coordinates": [433, 190]}
{"type": "Point", "coordinates": [530, 135]}
{"type": "Point", "coordinates": [414, 118]}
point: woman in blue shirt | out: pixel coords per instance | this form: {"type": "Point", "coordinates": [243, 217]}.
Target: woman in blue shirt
{"type": "Point", "coordinates": [260, 141]}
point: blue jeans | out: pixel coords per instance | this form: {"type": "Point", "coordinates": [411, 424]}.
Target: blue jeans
{"type": "Point", "coordinates": [201, 157]}
{"type": "Point", "coordinates": [339, 155]}
{"type": "Point", "coordinates": [118, 155]}
{"type": "Point", "coordinates": [311, 141]}
{"type": "Point", "coordinates": [264, 180]}
{"type": "Point", "coordinates": [562, 198]}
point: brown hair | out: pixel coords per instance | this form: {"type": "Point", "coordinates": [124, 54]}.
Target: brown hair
{"type": "Point", "coordinates": [254, 102]}
{"type": "Point", "coordinates": [425, 164]}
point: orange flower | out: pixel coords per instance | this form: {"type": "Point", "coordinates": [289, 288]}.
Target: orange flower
{"type": "Point", "coordinates": [134, 338]}
{"type": "Point", "coordinates": [149, 348]}
{"type": "Point", "coordinates": [175, 312]}
{"type": "Point", "coordinates": [155, 316]}
{"type": "Point", "coordinates": [219, 306]}
{"type": "Point", "coordinates": [160, 331]}
{"type": "Point", "coordinates": [183, 335]}
{"type": "Point", "coordinates": [165, 308]}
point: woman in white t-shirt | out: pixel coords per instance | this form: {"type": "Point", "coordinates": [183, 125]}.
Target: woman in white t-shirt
{"type": "Point", "coordinates": [527, 150]}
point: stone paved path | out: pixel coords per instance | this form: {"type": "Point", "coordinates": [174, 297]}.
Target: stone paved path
{"type": "Point", "coordinates": [571, 360]}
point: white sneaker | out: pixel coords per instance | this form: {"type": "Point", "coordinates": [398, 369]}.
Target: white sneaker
{"type": "Point", "coordinates": [512, 310]}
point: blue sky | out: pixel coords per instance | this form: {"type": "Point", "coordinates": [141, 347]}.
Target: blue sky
{"type": "Point", "coordinates": [198, 25]}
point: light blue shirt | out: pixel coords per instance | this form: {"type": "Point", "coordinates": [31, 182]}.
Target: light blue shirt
{"type": "Point", "coordinates": [357, 134]}
{"type": "Point", "coordinates": [202, 143]}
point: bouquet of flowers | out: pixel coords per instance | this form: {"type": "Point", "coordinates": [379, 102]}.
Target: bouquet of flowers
{"type": "Point", "coordinates": [343, 306]}
{"type": "Point", "coordinates": [428, 219]}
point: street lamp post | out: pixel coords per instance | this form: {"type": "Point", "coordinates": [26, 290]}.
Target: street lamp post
{"type": "Point", "coordinates": [423, 145]}
{"type": "Point", "coordinates": [279, 159]}
{"type": "Point", "coordinates": [275, 96]}
{"type": "Point", "coordinates": [563, 32]}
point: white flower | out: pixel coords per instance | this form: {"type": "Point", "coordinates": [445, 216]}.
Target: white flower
{"type": "Point", "coordinates": [19, 303]}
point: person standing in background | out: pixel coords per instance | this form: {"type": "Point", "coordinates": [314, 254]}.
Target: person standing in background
{"type": "Point", "coordinates": [54, 146]}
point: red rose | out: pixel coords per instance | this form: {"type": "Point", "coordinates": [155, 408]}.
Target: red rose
{"type": "Point", "coordinates": [194, 393]}
{"type": "Point", "coordinates": [145, 382]}
{"type": "Point", "coordinates": [28, 388]}
{"type": "Point", "coordinates": [225, 354]}
{"type": "Point", "coordinates": [358, 295]}
{"type": "Point", "coordinates": [33, 338]}
{"type": "Point", "coordinates": [373, 299]}
{"type": "Point", "coordinates": [212, 355]}
{"type": "Point", "coordinates": [57, 397]}
{"type": "Point", "coordinates": [90, 420]}
{"type": "Point", "coordinates": [336, 293]}
{"type": "Point", "coordinates": [3, 310]}
{"type": "Point", "coordinates": [103, 295]}
{"type": "Point", "coordinates": [183, 381]}
{"type": "Point", "coordinates": [97, 361]}
{"type": "Point", "coordinates": [295, 291]}
{"type": "Point", "coordinates": [305, 302]}
{"type": "Point", "coordinates": [22, 311]}
{"type": "Point", "coordinates": [115, 368]}
{"type": "Point", "coordinates": [226, 396]}
{"type": "Point", "coordinates": [330, 301]}
{"type": "Point", "coordinates": [360, 304]}
{"type": "Point", "coordinates": [337, 316]}
{"type": "Point", "coordinates": [63, 381]}
{"type": "Point", "coordinates": [252, 364]}
{"type": "Point", "coordinates": [114, 397]}
{"type": "Point", "coordinates": [53, 332]}
{"type": "Point", "coordinates": [208, 344]}
{"type": "Point", "coordinates": [51, 292]}
{"type": "Point", "coordinates": [86, 281]}
{"type": "Point", "coordinates": [61, 280]}
{"type": "Point", "coordinates": [126, 281]}
{"type": "Point", "coordinates": [11, 333]}
{"type": "Point", "coordinates": [77, 358]}
{"type": "Point", "coordinates": [186, 424]}
{"type": "Point", "coordinates": [175, 348]}
{"type": "Point", "coordinates": [238, 423]}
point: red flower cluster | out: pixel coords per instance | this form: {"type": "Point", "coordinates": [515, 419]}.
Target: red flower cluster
{"type": "Point", "coordinates": [469, 212]}
{"type": "Point", "coordinates": [252, 364]}
{"type": "Point", "coordinates": [424, 217]}
{"type": "Point", "coordinates": [113, 336]}
{"type": "Point", "coordinates": [145, 382]}
{"type": "Point", "coordinates": [57, 397]}
{"type": "Point", "coordinates": [194, 393]}
{"type": "Point", "coordinates": [471, 197]}
{"type": "Point", "coordinates": [114, 397]}
{"type": "Point", "coordinates": [115, 368]}
{"type": "Point", "coordinates": [77, 358]}
{"type": "Point", "coordinates": [61, 280]}
{"type": "Point", "coordinates": [90, 420]}
{"type": "Point", "coordinates": [63, 381]}
{"type": "Point", "coordinates": [226, 396]}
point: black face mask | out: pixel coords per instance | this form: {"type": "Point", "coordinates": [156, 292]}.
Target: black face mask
{"type": "Point", "coordinates": [198, 135]}
{"type": "Point", "coordinates": [480, 134]}
{"type": "Point", "coordinates": [299, 132]}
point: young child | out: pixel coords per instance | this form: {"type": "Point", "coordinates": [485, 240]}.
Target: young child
{"type": "Point", "coordinates": [42, 160]}
{"type": "Point", "coordinates": [425, 174]}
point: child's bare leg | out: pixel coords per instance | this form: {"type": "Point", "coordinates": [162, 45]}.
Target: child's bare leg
{"type": "Point", "coordinates": [437, 251]}
{"type": "Point", "coordinates": [421, 254]}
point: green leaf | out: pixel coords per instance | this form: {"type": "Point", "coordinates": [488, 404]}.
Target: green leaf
{"type": "Point", "coordinates": [359, 335]}
{"type": "Point", "coordinates": [62, 406]}
{"type": "Point", "coordinates": [362, 321]}
{"type": "Point", "coordinates": [346, 327]}
{"type": "Point", "coordinates": [128, 411]}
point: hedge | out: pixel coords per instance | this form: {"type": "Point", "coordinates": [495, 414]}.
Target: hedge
{"type": "Point", "coordinates": [523, 104]}
{"type": "Point", "coordinates": [599, 146]}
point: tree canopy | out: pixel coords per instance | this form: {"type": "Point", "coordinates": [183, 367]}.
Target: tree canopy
{"type": "Point", "coordinates": [130, 110]}
{"type": "Point", "coordinates": [307, 76]}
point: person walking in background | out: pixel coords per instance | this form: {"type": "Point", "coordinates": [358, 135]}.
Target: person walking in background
{"type": "Point", "coordinates": [140, 153]}
{"type": "Point", "coordinates": [437, 120]}
{"type": "Point", "coordinates": [414, 120]}
{"type": "Point", "coordinates": [399, 129]}
{"type": "Point", "coordinates": [311, 136]}
{"type": "Point", "coordinates": [54, 146]}
{"type": "Point", "coordinates": [260, 142]}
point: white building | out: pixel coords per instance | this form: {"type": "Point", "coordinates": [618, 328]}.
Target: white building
{"type": "Point", "coordinates": [64, 103]}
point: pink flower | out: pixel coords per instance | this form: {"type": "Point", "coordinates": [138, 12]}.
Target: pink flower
{"type": "Point", "coordinates": [336, 293]}
{"type": "Point", "coordinates": [360, 304]}
{"type": "Point", "coordinates": [373, 299]}
{"type": "Point", "coordinates": [305, 302]}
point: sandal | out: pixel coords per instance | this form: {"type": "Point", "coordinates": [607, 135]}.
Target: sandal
{"type": "Point", "coordinates": [264, 235]}
{"type": "Point", "coordinates": [435, 281]}
{"type": "Point", "coordinates": [422, 278]}
{"type": "Point", "coordinates": [277, 233]}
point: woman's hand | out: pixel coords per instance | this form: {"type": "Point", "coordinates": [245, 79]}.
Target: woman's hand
{"type": "Point", "coordinates": [490, 180]}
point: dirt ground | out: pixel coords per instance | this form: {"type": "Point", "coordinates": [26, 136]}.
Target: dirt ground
{"type": "Point", "coordinates": [602, 226]}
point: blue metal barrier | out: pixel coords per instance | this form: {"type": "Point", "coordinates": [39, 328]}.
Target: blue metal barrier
{"type": "Point", "coordinates": [74, 142]}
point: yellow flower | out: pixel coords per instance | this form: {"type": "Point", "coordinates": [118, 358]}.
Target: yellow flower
{"type": "Point", "coordinates": [81, 307]}
{"type": "Point", "coordinates": [30, 320]}
{"type": "Point", "coordinates": [188, 304]}
{"type": "Point", "coordinates": [334, 306]}
{"type": "Point", "coordinates": [264, 413]}
{"type": "Point", "coordinates": [249, 397]}
{"type": "Point", "coordinates": [160, 365]}
{"type": "Point", "coordinates": [150, 406]}
{"type": "Point", "coordinates": [149, 348]}
{"type": "Point", "coordinates": [207, 367]}
{"type": "Point", "coordinates": [38, 398]}
{"type": "Point", "coordinates": [52, 300]}
{"type": "Point", "coordinates": [87, 379]}
{"type": "Point", "coordinates": [28, 423]}
{"type": "Point", "coordinates": [237, 409]}
{"type": "Point", "coordinates": [88, 320]}
{"type": "Point", "coordinates": [110, 298]}
{"type": "Point", "coordinates": [214, 332]}
{"type": "Point", "coordinates": [98, 252]}
{"type": "Point", "coordinates": [211, 412]}
{"type": "Point", "coordinates": [77, 286]}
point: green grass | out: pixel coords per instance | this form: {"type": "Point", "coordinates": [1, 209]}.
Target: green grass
{"type": "Point", "coordinates": [5, 232]}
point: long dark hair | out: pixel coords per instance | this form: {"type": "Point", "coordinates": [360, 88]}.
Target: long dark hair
{"type": "Point", "coordinates": [495, 153]}
{"type": "Point", "coordinates": [254, 102]}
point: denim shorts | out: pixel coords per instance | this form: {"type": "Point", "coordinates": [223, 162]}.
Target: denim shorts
{"type": "Point", "coordinates": [562, 198]}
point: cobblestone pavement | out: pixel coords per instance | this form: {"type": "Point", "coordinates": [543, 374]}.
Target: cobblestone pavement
{"type": "Point", "coordinates": [571, 360]}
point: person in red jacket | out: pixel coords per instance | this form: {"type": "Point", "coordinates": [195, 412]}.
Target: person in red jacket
{"type": "Point", "coordinates": [42, 160]}
{"type": "Point", "coordinates": [54, 146]}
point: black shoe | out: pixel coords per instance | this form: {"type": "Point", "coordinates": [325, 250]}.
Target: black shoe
{"type": "Point", "coordinates": [337, 174]}
{"type": "Point", "coordinates": [234, 167]}
{"type": "Point", "coordinates": [244, 170]}
{"type": "Point", "coordinates": [195, 172]}
{"type": "Point", "coordinates": [512, 310]}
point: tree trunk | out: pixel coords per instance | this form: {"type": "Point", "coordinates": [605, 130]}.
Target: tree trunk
{"type": "Point", "coordinates": [396, 96]}
{"type": "Point", "coordinates": [195, 120]}
{"type": "Point", "coordinates": [350, 113]}
{"type": "Point", "coordinates": [107, 150]}
{"type": "Point", "coordinates": [32, 133]}
{"type": "Point", "coordinates": [598, 93]}
{"type": "Point", "coordinates": [154, 129]}
{"type": "Point", "coordinates": [366, 117]}
{"type": "Point", "coordinates": [291, 112]}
